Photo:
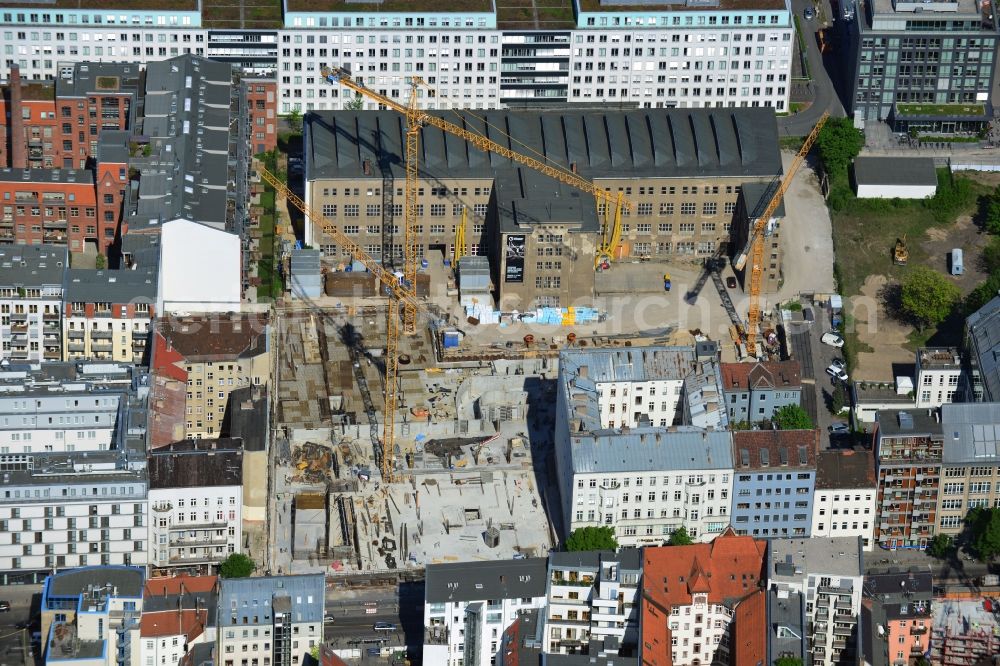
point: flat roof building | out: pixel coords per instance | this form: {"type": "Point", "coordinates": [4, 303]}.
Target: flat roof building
{"type": "Point", "coordinates": [983, 344]}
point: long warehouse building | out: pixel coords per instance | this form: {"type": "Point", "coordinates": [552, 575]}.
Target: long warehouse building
{"type": "Point", "coordinates": [683, 169]}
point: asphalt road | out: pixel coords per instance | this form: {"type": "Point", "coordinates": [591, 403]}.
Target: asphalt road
{"type": "Point", "coordinates": [13, 636]}
{"type": "Point", "coordinates": [355, 612]}
{"type": "Point", "coordinates": [824, 94]}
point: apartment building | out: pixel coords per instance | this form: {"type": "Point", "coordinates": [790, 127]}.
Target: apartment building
{"type": "Point", "coordinates": [31, 294]}
{"type": "Point", "coordinates": [56, 124]}
{"type": "Point", "coordinates": [212, 355]}
{"type": "Point", "coordinates": [774, 478]}
{"type": "Point", "coordinates": [691, 595]}
{"type": "Point", "coordinates": [178, 614]}
{"type": "Point", "coordinates": [87, 615]}
{"type": "Point", "coordinates": [468, 605]}
{"type": "Point", "coordinates": [925, 67]}
{"type": "Point", "coordinates": [939, 376]}
{"type": "Point", "coordinates": [262, 109]}
{"type": "Point", "coordinates": [908, 447]}
{"type": "Point", "coordinates": [107, 315]}
{"type": "Point", "coordinates": [754, 391]}
{"type": "Point", "coordinates": [276, 618]}
{"type": "Point", "coordinates": [73, 463]}
{"type": "Point", "coordinates": [896, 617]}
{"type": "Point", "coordinates": [593, 603]}
{"type": "Point", "coordinates": [983, 346]}
{"type": "Point", "coordinates": [844, 501]}
{"type": "Point", "coordinates": [195, 502]}
{"type": "Point", "coordinates": [621, 462]}
{"type": "Point", "coordinates": [688, 55]}
{"type": "Point", "coordinates": [828, 574]}
{"type": "Point", "coordinates": [683, 172]}
{"type": "Point", "coordinates": [970, 456]}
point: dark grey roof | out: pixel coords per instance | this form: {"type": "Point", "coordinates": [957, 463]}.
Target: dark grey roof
{"type": "Point", "coordinates": [895, 171]}
{"type": "Point", "coordinates": [142, 250]}
{"type": "Point", "coordinates": [41, 176]}
{"type": "Point", "coordinates": [121, 581]}
{"type": "Point", "coordinates": [83, 79]}
{"type": "Point", "coordinates": [647, 143]}
{"type": "Point", "coordinates": [247, 417]}
{"type": "Point", "coordinates": [196, 463]}
{"type": "Point", "coordinates": [786, 634]}
{"type": "Point", "coordinates": [983, 328]}
{"type": "Point", "coordinates": [112, 146]}
{"type": "Point", "coordinates": [907, 422]}
{"type": "Point", "coordinates": [756, 196]}
{"type": "Point", "coordinates": [32, 265]}
{"type": "Point", "coordinates": [83, 285]}
{"type": "Point", "coordinates": [627, 558]}
{"type": "Point", "coordinates": [474, 581]}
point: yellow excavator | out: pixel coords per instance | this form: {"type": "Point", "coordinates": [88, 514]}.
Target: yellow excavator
{"type": "Point", "coordinates": [900, 254]}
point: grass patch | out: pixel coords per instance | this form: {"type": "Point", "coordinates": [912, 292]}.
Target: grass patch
{"type": "Point", "coordinates": [951, 139]}
{"type": "Point", "coordinates": [795, 107]}
{"type": "Point", "coordinates": [801, 41]}
{"type": "Point", "coordinates": [791, 142]}
{"type": "Point", "coordinates": [267, 200]}
{"type": "Point", "coordinates": [941, 109]}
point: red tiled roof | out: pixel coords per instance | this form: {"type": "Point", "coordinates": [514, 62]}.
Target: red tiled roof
{"type": "Point", "coordinates": [749, 642]}
{"type": "Point", "coordinates": [168, 586]}
{"type": "Point", "coordinates": [190, 623]}
{"type": "Point", "coordinates": [767, 373]}
{"type": "Point", "coordinates": [728, 570]}
{"type": "Point", "coordinates": [779, 445]}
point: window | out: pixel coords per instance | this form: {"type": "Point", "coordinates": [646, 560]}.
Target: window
{"type": "Point", "coordinates": [954, 488]}
{"type": "Point", "coordinates": [644, 209]}
{"type": "Point", "coordinates": [350, 210]}
{"type": "Point", "coordinates": [373, 210]}
{"type": "Point", "coordinates": [688, 208]}
{"type": "Point", "coordinates": [438, 210]}
{"type": "Point", "coordinates": [709, 208]}
{"type": "Point", "coordinates": [666, 209]}
{"type": "Point", "coordinates": [329, 210]}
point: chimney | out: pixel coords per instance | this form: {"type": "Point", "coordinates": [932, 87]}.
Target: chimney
{"type": "Point", "coordinates": [18, 147]}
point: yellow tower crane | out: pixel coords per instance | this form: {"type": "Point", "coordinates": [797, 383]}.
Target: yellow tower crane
{"type": "Point", "coordinates": [461, 246]}
{"type": "Point", "coordinates": [609, 205]}
{"type": "Point", "coordinates": [755, 242]}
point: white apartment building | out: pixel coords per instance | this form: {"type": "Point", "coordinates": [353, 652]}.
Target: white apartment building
{"type": "Point", "coordinates": [829, 574]}
{"type": "Point", "coordinates": [195, 502]}
{"type": "Point", "coordinates": [621, 462]}
{"type": "Point", "coordinates": [73, 463]}
{"type": "Point", "coordinates": [31, 293]}
{"type": "Point", "coordinates": [108, 314]}
{"type": "Point", "coordinates": [89, 614]}
{"type": "Point", "coordinates": [178, 614]}
{"type": "Point", "coordinates": [272, 620]}
{"type": "Point", "coordinates": [939, 376]}
{"type": "Point", "coordinates": [593, 599]}
{"type": "Point", "coordinates": [844, 500]}
{"type": "Point", "coordinates": [468, 605]}
{"type": "Point", "coordinates": [698, 54]}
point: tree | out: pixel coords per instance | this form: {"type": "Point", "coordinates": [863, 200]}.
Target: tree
{"type": "Point", "coordinates": [236, 565]}
{"type": "Point", "coordinates": [680, 537]}
{"type": "Point", "coordinates": [101, 262]}
{"type": "Point", "coordinates": [839, 398]}
{"type": "Point", "coordinates": [991, 256]}
{"type": "Point", "coordinates": [357, 103]}
{"type": "Point", "coordinates": [838, 143]}
{"type": "Point", "coordinates": [928, 297]}
{"type": "Point", "coordinates": [984, 531]}
{"type": "Point", "coordinates": [787, 661]}
{"type": "Point", "coordinates": [791, 417]}
{"type": "Point", "coordinates": [294, 119]}
{"type": "Point", "coordinates": [983, 294]}
{"type": "Point", "coordinates": [592, 538]}
{"type": "Point", "coordinates": [993, 213]}
{"type": "Point", "coordinates": [940, 546]}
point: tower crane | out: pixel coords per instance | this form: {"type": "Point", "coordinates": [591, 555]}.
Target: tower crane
{"type": "Point", "coordinates": [610, 204]}
{"type": "Point", "coordinates": [461, 247]}
{"type": "Point", "coordinates": [755, 242]}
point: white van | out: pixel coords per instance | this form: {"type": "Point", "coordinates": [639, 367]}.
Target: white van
{"type": "Point", "coordinates": [957, 268]}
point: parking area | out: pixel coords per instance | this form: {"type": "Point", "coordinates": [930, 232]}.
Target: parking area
{"type": "Point", "coordinates": [806, 346]}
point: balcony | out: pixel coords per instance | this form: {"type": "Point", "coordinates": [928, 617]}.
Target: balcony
{"type": "Point", "coordinates": [103, 313]}
{"type": "Point", "coordinates": [101, 346]}
{"type": "Point", "coordinates": [75, 334]}
{"type": "Point", "coordinates": [76, 347]}
{"type": "Point", "coordinates": [180, 527]}
{"type": "Point", "coordinates": [19, 328]}
{"type": "Point", "coordinates": [54, 236]}
{"type": "Point", "coordinates": [917, 631]}
{"type": "Point", "coordinates": [142, 335]}
{"type": "Point", "coordinates": [212, 540]}
{"type": "Point", "coordinates": [101, 335]}
{"type": "Point", "coordinates": [52, 355]}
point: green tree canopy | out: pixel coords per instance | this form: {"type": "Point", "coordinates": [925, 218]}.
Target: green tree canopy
{"type": "Point", "coordinates": [928, 297]}
{"type": "Point", "coordinates": [787, 661]}
{"type": "Point", "coordinates": [984, 293]}
{"type": "Point", "coordinates": [838, 143]}
{"type": "Point", "coordinates": [993, 213]}
{"type": "Point", "coordinates": [991, 256]}
{"type": "Point", "coordinates": [839, 398]}
{"type": "Point", "coordinates": [680, 537]}
{"type": "Point", "coordinates": [791, 417]}
{"type": "Point", "coordinates": [357, 103]}
{"type": "Point", "coordinates": [592, 538]}
{"type": "Point", "coordinates": [236, 565]}
{"type": "Point", "coordinates": [984, 531]}
{"type": "Point", "coordinates": [940, 546]}
{"type": "Point", "coordinates": [294, 119]}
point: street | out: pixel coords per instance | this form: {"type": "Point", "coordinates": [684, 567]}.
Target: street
{"type": "Point", "coordinates": [15, 637]}
{"type": "Point", "coordinates": [354, 613]}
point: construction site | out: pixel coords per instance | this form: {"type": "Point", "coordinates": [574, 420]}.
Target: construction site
{"type": "Point", "coordinates": [965, 632]}
{"type": "Point", "coordinates": [463, 471]}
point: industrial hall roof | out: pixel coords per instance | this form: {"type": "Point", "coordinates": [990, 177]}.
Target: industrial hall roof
{"type": "Point", "coordinates": [647, 143]}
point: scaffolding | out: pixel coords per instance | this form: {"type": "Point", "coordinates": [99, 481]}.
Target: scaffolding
{"type": "Point", "coordinates": [965, 631]}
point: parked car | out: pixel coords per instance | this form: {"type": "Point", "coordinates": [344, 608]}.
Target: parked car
{"type": "Point", "coordinates": [839, 429]}
{"type": "Point", "coordinates": [832, 339]}
{"type": "Point", "coordinates": [731, 282]}
{"type": "Point", "coordinates": [838, 363]}
{"type": "Point", "coordinates": [329, 619]}
{"type": "Point", "coordinates": [385, 626]}
{"type": "Point", "coordinates": [807, 314]}
{"type": "Point", "coordinates": [4, 606]}
{"type": "Point", "coordinates": [837, 373]}
{"type": "Point", "coordinates": [808, 13]}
